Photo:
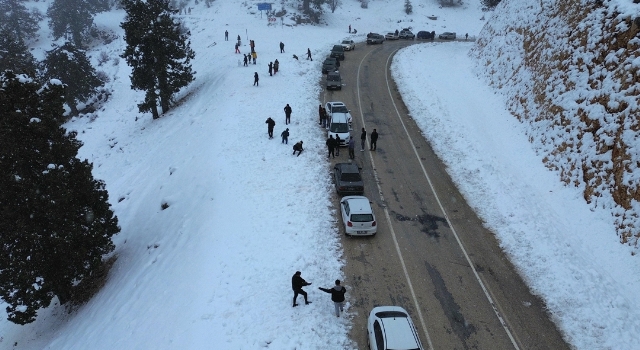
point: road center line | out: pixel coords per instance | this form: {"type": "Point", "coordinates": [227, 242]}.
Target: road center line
{"type": "Point", "coordinates": [502, 320]}
{"type": "Point", "coordinates": [388, 218]}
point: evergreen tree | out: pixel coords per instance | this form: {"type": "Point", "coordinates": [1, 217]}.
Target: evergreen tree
{"type": "Point", "coordinates": [72, 67]}
{"type": "Point", "coordinates": [408, 8]}
{"type": "Point", "coordinates": [15, 18]}
{"type": "Point", "coordinates": [56, 220]}
{"type": "Point", "coordinates": [72, 19]}
{"type": "Point", "coordinates": [490, 3]}
{"type": "Point", "coordinates": [158, 51]}
{"type": "Point", "coordinates": [15, 56]}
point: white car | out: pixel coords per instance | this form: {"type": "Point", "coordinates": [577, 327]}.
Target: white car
{"type": "Point", "coordinates": [348, 45]}
{"type": "Point", "coordinates": [339, 126]}
{"type": "Point", "coordinates": [357, 216]}
{"type": "Point", "coordinates": [391, 36]}
{"type": "Point", "coordinates": [333, 107]}
{"type": "Point", "coordinates": [390, 327]}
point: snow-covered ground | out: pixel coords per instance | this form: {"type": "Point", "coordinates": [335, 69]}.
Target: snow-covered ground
{"type": "Point", "coordinates": [213, 270]}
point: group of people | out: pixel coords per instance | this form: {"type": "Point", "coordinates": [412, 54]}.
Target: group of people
{"type": "Point", "coordinates": [337, 292]}
{"type": "Point", "coordinates": [297, 147]}
{"type": "Point", "coordinates": [333, 144]}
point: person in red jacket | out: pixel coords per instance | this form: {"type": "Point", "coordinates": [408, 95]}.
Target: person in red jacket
{"type": "Point", "coordinates": [297, 282]}
{"type": "Point", "coordinates": [337, 296]}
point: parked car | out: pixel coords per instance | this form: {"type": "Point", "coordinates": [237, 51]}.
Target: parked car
{"type": "Point", "coordinates": [375, 39]}
{"type": "Point", "coordinates": [391, 36]}
{"type": "Point", "coordinates": [333, 81]}
{"type": "Point", "coordinates": [357, 216]}
{"type": "Point", "coordinates": [347, 179]}
{"type": "Point", "coordinates": [390, 327]}
{"type": "Point", "coordinates": [337, 107]}
{"type": "Point", "coordinates": [371, 34]}
{"type": "Point", "coordinates": [339, 126]}
{"type": "Point", "coordinates": [329, 65]}
{"type": "Point", "coordinates": [406, 34]}
{"type": "Point", "coordinates": [426, 35]}
{"type": "Point", "coordinates": [348, 45]}
{"type": "Point", "coordinates": [447, 36]}
{"type": "Point", "coordinates": [337, 52]}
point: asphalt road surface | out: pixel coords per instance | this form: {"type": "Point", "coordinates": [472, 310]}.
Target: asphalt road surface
{"type": "Point", "coordinates": [432, 254]}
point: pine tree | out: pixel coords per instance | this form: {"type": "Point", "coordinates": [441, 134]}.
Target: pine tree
{"type": "Point", "coordinates": [72, 19]}
{"type": "Point", "coordinates": [15, 18]}
{"type": "Point", "coordinates": [15, 56]}
{"type": "Point", "coordinates": [56, 220]}
{"type": "Point", "coordinates": [408, 8]}
{"type": "Point", "coordinates": [72, 67]}
{"type": "Point", "coordinates": [158, 51]}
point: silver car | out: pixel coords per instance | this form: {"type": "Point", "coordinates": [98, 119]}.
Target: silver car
{"type": "Point", "coordinates": [447, 36]}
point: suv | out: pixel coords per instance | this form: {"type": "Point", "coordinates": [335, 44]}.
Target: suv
{"type": "Point", "coordinates": [406, 34]}
{"type": "Point", "coordinates": [334, 107]}
{"type": "Point", "coordinates": [329, 65]}
{"type": "Point", "coordinates": [426, 35]}
{"type": "Point", "coordinates": [447, 36]}
{"type": "Point", "coordinates": [339, 125]}
{"type": "Point", "coordinates": [375, 39]}
{"type": "Point", "coordinates": [337, 52]}
{"type": "Point", "coordinates": [334, 81]}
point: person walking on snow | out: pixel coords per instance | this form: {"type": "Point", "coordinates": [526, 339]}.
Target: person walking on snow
{"type": "Point", "coordinates": [270, 124]}
{"type": "Point", "coordinates": [270, 69]}
{"type": "Point", "coordinates": [337, 296]}
{"type": "Point", "coordinates": [281, 47]}
{"type": "Point", "coordinates": [255, 79]}
{"type": "Point", "coordinates": [298, 148]}
{"type": "Point", "coordinates": [226, 35]}
{"type": "Point", "coordinates": [285, 136]}
{"type": "Point", "coordinates": [331, 145]}
{"type": "Point", "coordinates": [352, 148]}
{"type": "Point", "coordinates": [237, 48]}
{"type": "Point", "coordinates": [287, 114]}
{"type": "Point", "coordinates": [309, 54]}
{"type": "Point", "coordinates": [374, 140]}
{"type": "Point", "coordinates": [297, 282]}
{"type": "Point", "coordinates": [363, 139]}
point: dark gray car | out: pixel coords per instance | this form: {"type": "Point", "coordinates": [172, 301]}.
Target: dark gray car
{"type": "Point", "coordinates": [334, 81]}
{"type": "Point", "coordinates": [347, 178]}
{"type": "Point", "coordinates": [329, 65]}
{"type": "Point", "coordinates": [375, 39]}
{"type": "Point", "coordinates": [337, 52]}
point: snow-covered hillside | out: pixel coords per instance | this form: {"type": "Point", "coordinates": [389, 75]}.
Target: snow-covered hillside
{"type": "Point", "coordinates": [570, 70]}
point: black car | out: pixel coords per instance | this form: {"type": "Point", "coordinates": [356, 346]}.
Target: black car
{"type": "Point", "coordinates": [348, 179]}
{"type": "Point", "coordinates": [329, 65]}
{"type": "Point", "coordinates": [337, 52]}
{"type": "Point", "coordinates": [426, 35]}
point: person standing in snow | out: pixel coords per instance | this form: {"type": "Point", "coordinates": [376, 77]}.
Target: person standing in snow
{"type": "Point", "coordinates": [281, 47]}
{"type": "Point", "coordinates": [270, 124]}
{"type": "Point", "coordinates": [298, 148]}
{"type": "Point", "coordinates": [254, 55]}
{"type": "Point", "coordinates": [337, 296]}
{"type": "Point", "coordinates": [226, 35]}
{"type": "Point", "coordinates": [276, 65]}
{"type": "Point", "coordinates": [320, 113]}
{"type": "Point", "coordinates": [309, 54]}
{"type": "Point", "coordinates": [374, 140]}
{"type": "Point", "coordinates": [255, 79]}
{"type": "Point", "coordinates": [287, 114]}
{"type": "Point", "coordinates": [245, 61]}
{"type": "Point", "coordinates": [352, 148]}
{"type": "Point", "coordinates": [285, 136]}
{"type": "Point", "coordinates": [349, 28]}
{"type": "Point", "coordinates": [297, 282]}
{"type": "Point", "coordinates": [331, 145]}
{"type": "Point", "coordinates": [363, 139]}
{"type": "Point", "coordinates": [237, 48]}
{"type": "Point", "coordinates": [270, 69]}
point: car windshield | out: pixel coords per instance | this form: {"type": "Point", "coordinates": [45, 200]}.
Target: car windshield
{"type": "Point", "coordinates": [390, 314]}
{"type": "Point", "coordinates": [339, 128]}
{"type": "Point", "coordinates": [362, 217]}
{"type": "Point", "coordinates": [339, 109]}
{"type": "Point", "coordinates": [333, 77]}
{"type": "Point", "coordinates": [346, 42]}
{"type": "Point", "coordinates": [351, 177]}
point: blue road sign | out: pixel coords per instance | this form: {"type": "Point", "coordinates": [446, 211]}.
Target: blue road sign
{"type": "Point", "coordinates": [264, 6]}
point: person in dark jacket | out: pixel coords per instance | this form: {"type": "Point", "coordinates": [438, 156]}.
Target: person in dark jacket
{"type": "Point", "coordinates": [245, 61]}
{"type": "Point", "coordinates": [270, 69]}
{"type": "Point", "coordinates": [374, 140]}
{"type": "Point", "coordinates": [297, 282]}
{"type": "Point", "coordinates": [285, 136]}
{"type": "Point", "coordinates": [270, 124]}
{"type": "Point", "coordinates": [281, 47]}
{"type": "Point", "coordinates": [255, 79]}
{"type": "Point", "coordinates": [363, 139]}
{"type": "Point", "coordinates": [298, 148]}
{"type": "Point", "coordinates": [309, 54]}
{"type": "Point", "coordinates": [331, 145]}
{"type": "Point", "coordinates": [287, 114]}
{"type": "Point", "coordinates": [338, 145]}
{"type": "Point", "coordinates": [352, 147]}
{"type": "Point", "coordinates": [337, 296]}
{"type": "Point", "coordinates": [276, 66]}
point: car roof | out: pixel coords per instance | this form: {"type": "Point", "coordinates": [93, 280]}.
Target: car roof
{"type": "Point", "coordinates": [358, 204]}
{"type": "Point", "coordinates": [347, 41]}
{"type": "Point", "coordinates": [348, 167]}
{"type": "Point", "coordinates": [335, 103]}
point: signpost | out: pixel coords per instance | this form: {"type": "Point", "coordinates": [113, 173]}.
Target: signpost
{"type": "Point", "coordinates": [264, 6]}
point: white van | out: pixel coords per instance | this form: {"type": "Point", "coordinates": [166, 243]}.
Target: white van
{"type": "Point", "coordinates": [339, 125]}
